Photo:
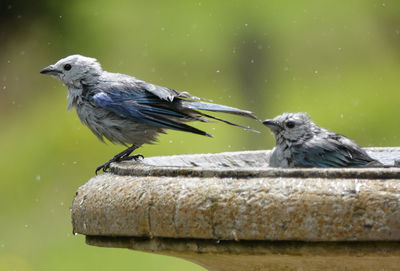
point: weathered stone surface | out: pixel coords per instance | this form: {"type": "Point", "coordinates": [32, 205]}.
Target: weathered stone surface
{"type": "Point", "coordinates": [239, 209]}
{"type": "Point", "coordinates": [199, 200]}
{"type": "Point", "coordinates": [250, 164]}
{"type": "Point", "coordinates": [267, 255]}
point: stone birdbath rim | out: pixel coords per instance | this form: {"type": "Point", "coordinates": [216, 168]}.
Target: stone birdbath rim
{"type": "Point", "coordinates": [230, 211]}
{"type": "Point", "coordinates": [253, 164]}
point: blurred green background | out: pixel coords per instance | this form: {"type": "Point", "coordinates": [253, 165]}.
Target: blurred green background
{"type": "Point", "coordinates": [337, 60]}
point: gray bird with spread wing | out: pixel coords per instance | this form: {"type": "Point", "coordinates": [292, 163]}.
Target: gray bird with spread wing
{"type": "Point", "coordinates": [129, 111]}
{"type": "Point", "coordinates": [302, 143]}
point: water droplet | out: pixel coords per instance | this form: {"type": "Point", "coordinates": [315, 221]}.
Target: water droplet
{"type": "Point", "coordinates": [316, 72]}
{"type": "Point", "coordinates": [229, 146]}
{"type": "Point", "coordinates": [286, 68]}
{"type": "Point", "coordinates": [217, 71]}
{"type": "Point", "coordinates": [8, 61]}
{"type": "Point", "coordinates": [341, 116]}
{"type": "Point", "coordinates": [252, 61]}
{"type": "Point", "coordinates": [170, 141]}
{"type": "Point", "coordinates": [26, 226]}
{"type": "Point", "coordinates": [162, 28]}
{"type": "Point", "coordinates": [62, 203]}
{"type": "Point", "coordinates": [75, 162]}
{"type": "Point", "coordinates": [4, 87]}
{"type": "Point", "coordinates": [235, 237]}
{"type": "Point", "coordinates": [37, 178]}
{"type": "Point", "coordinates": [383, 5]}
{"type": "Point", "coordinates": [246, 25]}
{"type": "Point", "coordinates": [340, 48]}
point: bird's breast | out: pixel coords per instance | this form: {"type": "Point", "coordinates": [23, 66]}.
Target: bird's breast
{"type": "Point", "coordinates": [117, 129]}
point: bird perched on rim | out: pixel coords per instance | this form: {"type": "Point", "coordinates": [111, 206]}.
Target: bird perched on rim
{"type": "Point", "coordinates": [302, 143]}
{"type": "Point", "coordinates": [129, 111]}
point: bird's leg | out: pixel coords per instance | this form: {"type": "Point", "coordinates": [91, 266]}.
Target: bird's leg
{"type": "Point", "coordinates": [122, 156]}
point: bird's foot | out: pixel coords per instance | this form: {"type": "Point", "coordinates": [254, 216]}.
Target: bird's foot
{"type": "Point", "coordinates": [106, 166]}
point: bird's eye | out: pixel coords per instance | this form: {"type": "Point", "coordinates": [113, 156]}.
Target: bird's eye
{"type": "Point", "coordinates": [290, 124]}
{"type": "Point", "coordinates": [67, 67]}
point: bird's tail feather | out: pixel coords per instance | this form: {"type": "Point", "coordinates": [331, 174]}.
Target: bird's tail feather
{"type": "Point", "coordinates": [230, 123]}
{"type": "Point", "coordinates": [162, 122]}
{"type": "Point", "coordinates": [195, 105]}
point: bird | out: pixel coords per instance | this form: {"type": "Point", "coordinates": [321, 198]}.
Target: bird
{"type": "Point", "coordinates": [302, 143]}
{"type": "Point", "coordinates": [129, 111]}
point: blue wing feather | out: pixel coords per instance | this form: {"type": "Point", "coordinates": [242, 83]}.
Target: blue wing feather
{"type": "Point", "coordinates": [329, 153]}
{"type": "Point", "coordinates": [141, 107]}
{"type": "Point", "coordinates": [158, 106]}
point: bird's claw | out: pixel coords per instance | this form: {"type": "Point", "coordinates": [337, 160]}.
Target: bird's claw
{"type": "Point", "coordinates": [103, 167]}
{"type": "Point", "coordinates": [106, 166]}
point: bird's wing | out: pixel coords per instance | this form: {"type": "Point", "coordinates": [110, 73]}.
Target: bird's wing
{"type": "Point", "coordinates": [171, 104]}
{"type": "Point", "coordinates": [330, 151]}
{"type": "Point", "coordinates": [143, 107]}
{"type": "Point", "coordinates": [188, 101]}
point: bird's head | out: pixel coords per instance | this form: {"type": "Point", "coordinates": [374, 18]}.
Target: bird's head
{"type": "Point", "coordinates": [290, 126]}
{"type": "Point", "coordinates": [74, 70]}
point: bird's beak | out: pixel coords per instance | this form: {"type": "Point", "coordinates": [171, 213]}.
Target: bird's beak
{"type": "Point", "coordinates": [51, 70]}
{"type": "Point", "coordinates": [272, 124]}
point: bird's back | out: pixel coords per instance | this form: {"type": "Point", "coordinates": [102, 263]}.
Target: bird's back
{"type": "Point", "coordinates": [328, 149]}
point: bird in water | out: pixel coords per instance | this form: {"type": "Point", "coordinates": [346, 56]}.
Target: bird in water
{"type": "Point", "coordinates": [127, 110]}
{"type": "Point", "coordinates": [302, 143]}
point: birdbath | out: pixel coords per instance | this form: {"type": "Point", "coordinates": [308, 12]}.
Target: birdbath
{"type": "Point", "coordinates": [230, 211]}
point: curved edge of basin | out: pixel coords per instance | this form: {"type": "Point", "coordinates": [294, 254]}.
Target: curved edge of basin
{"type": "Point", "coordinates": [251, 164]}
{"type": "Point", "coordinates": [230, 211]}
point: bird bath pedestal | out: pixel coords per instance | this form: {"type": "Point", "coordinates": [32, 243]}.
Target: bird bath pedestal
{"type": "Point", "coordinates": [230, 211]}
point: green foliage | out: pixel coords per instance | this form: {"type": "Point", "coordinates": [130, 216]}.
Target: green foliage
{"type": "Point", "coordinates": [336, 60]}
